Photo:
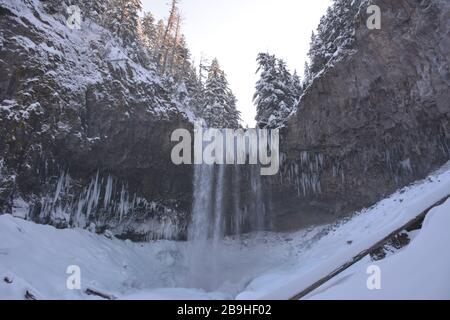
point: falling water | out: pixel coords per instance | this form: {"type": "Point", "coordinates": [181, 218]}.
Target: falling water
{"type": "Point", "coordinates": [237, 219]}
{"type": "Point", "coordinates": [205, 230]}
{"type": "Point", "coordinates": [219, 209]}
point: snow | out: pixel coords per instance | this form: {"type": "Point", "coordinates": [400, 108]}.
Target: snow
{"type": "Point", "coordinates": [36, 257]}
{"type": "Point", "coordinates": [363, 230]}
{"type": "Point", "coordinates": [20, 208]}
{"type": "Point", "coordinates": [77, 59]}
{"type": "Point", "coordinates": [175, 294]}
{"type": "Point", "coordinates": [420, 271]}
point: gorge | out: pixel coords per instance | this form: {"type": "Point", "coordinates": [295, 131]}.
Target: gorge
{"type": "Point", "coordinates": [86, 123]}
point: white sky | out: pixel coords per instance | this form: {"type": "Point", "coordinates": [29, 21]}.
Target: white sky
{"type": "Point", "coordinates": [235, 31]}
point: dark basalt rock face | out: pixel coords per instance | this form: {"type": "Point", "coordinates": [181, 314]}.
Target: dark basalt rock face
{"type": "Point", "coordinates": [77, 126]}
{"type": "Point", "coordinates": [375, 120]}
{"type": "Point", "coordinates": [85, 136]}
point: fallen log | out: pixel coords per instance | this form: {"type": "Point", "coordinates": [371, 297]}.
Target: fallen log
{"type": "Point", "coordinates": [29, 296]}
{"type": "Point", "coordinates": [98, 293]}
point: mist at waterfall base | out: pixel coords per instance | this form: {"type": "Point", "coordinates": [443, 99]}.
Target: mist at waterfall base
{"type": "Point", "coordinates": [220, 209]}
{"type": "Point", "coordinates": [254, 265]}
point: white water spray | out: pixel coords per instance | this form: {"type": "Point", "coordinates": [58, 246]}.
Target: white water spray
{"type": "Point", "coordinates": [220, 209]}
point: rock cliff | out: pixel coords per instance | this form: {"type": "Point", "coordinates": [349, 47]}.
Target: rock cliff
{"type": "Point", "coordinates": [374, 120]}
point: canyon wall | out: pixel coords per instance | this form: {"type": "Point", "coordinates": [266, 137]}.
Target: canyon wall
{"type": "Point", "coordinates": [374, 120]}
{"type": "Point", "coordinates": [85, 130]}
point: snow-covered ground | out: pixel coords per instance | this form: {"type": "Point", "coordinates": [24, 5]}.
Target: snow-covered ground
{"type": "Point", "coordinates": [35, 258]}
{"type": "Point", "coordinates": [419, 271]}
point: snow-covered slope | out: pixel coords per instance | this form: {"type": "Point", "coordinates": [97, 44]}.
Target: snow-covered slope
{"type": "Point", "coordinates": [420, 271]}
{"type": "Point", "coordinates": [35, 258]}
{"type": "Point", "coordinates": [349, 238]}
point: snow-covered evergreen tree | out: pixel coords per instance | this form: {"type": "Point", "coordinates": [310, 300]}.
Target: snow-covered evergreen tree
{"type": "Point", "coordinates": [277, 91]}
{"type": "Point", "coordinates": [307, 75]}
{"type": "Point", "coordinates": [93, 9]}
{"type": "Point", "coordinates": [297, 87]}
{"type": "Point", "coordinates": [219, 105]}
{"type": "Point", "coordinates": [122, 18]}
{"type": "Point", "coordinates": [161, 47]}
{"type": "Point", "coordinates": [194, 88]}
{"type": "Point", "coordinates": [149, 32]}
{"type": "Point", "coordinates": [335, 36]}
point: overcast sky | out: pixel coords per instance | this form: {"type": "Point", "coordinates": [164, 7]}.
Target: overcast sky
{"type": "Point", "coordinates": [235, 31]}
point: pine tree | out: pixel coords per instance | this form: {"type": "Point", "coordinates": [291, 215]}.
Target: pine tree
{"type": "Point", "coordinates": [317, 54]}
{"type": "Point", "coordinates": [277, 92]}
{"type": "Point", "coordinates": [181, 59]}
{"type": "Point", "coordinates": [265, 98]}
{"type": "Point", "coordinates": [149, 31]}
{"type": "Point", "coordinates": [93, 9]}
{"type": "Point", "coordinates": [233, 115]}
{"type": "Point", "coordinates": [335, 36]}
{"type": "Point", "coordinates": [122, 18]}
{"type": "Point", "coordinates": [219, 106]}
{"type": "Point", "coordinates": [160, 29]}
{"type": "Point", "coordinates": [297, 88]}
{"type": "Point", "coordinates": [307, 76]}
{"type": "Point", "coordinates": [195, 90]}
{"type": "Point", "coordinates": [169, 31]}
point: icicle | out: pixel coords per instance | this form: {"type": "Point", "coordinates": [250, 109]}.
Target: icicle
{"type": "Point", "coordinates": [59, 186]}
{"type": "Point", "coordinates": [406, 166]}
{"type": "Point", "coordinates": [96, 192]}
{"type": "Point", "coordinates": [108, 192]}
{"type": "Point", "coordinates": [122, 203]}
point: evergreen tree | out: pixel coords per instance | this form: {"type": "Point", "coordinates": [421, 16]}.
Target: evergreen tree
{"type": "Point", "coordinates": [164, 43]}
{"type": "Point", "coordinates": [160, 27]}
{"type": "Point", "coordinates": [170, 30]}
{"type": "Point", "coordinates": [233, 116]}
{"type": "Point", "coordinates": [297, 88]}
{"type": "Point", "coordinates": [297, 84]}
{"type": "Point", "coordinates": [219, 106]}
{"type": "Point", "coordinates": [265, 97]}
{"type": "Point", "coordinates": [94, 9]}
{"type": "Point", "coordinates": [277, 92]}
{"type": "Point", "coordinates": [335, 36]}
{"type": "Point", "coordinates": [149, 31]}
{"type": "Point", "coordinates": [307, 76]}
{"type": "Point", "coordinates": [122, 18]}
{"type": "Point", "coordinates": [195, 90]}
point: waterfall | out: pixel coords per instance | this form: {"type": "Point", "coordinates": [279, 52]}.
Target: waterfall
{"type": "Point", "coordinates": [199, 228]}
{"type": "Point", "coordinates": [206, 229]}
{"type": "Point", "coordinates": [220, 209]}
{"type": "Point", "coordinates": [258, 211]}
{"type": "Point", "coordinates": [237, 221]}
{"type": "Point", "coordinates": [218, 231]}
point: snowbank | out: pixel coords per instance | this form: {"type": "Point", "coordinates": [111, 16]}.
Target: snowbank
{"type": "Point", "coordinates": [350, 238]}
{"type": "Point", "coordinates": [420, 271]}
{"type": "Point", "coordinates": [34, 258]}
